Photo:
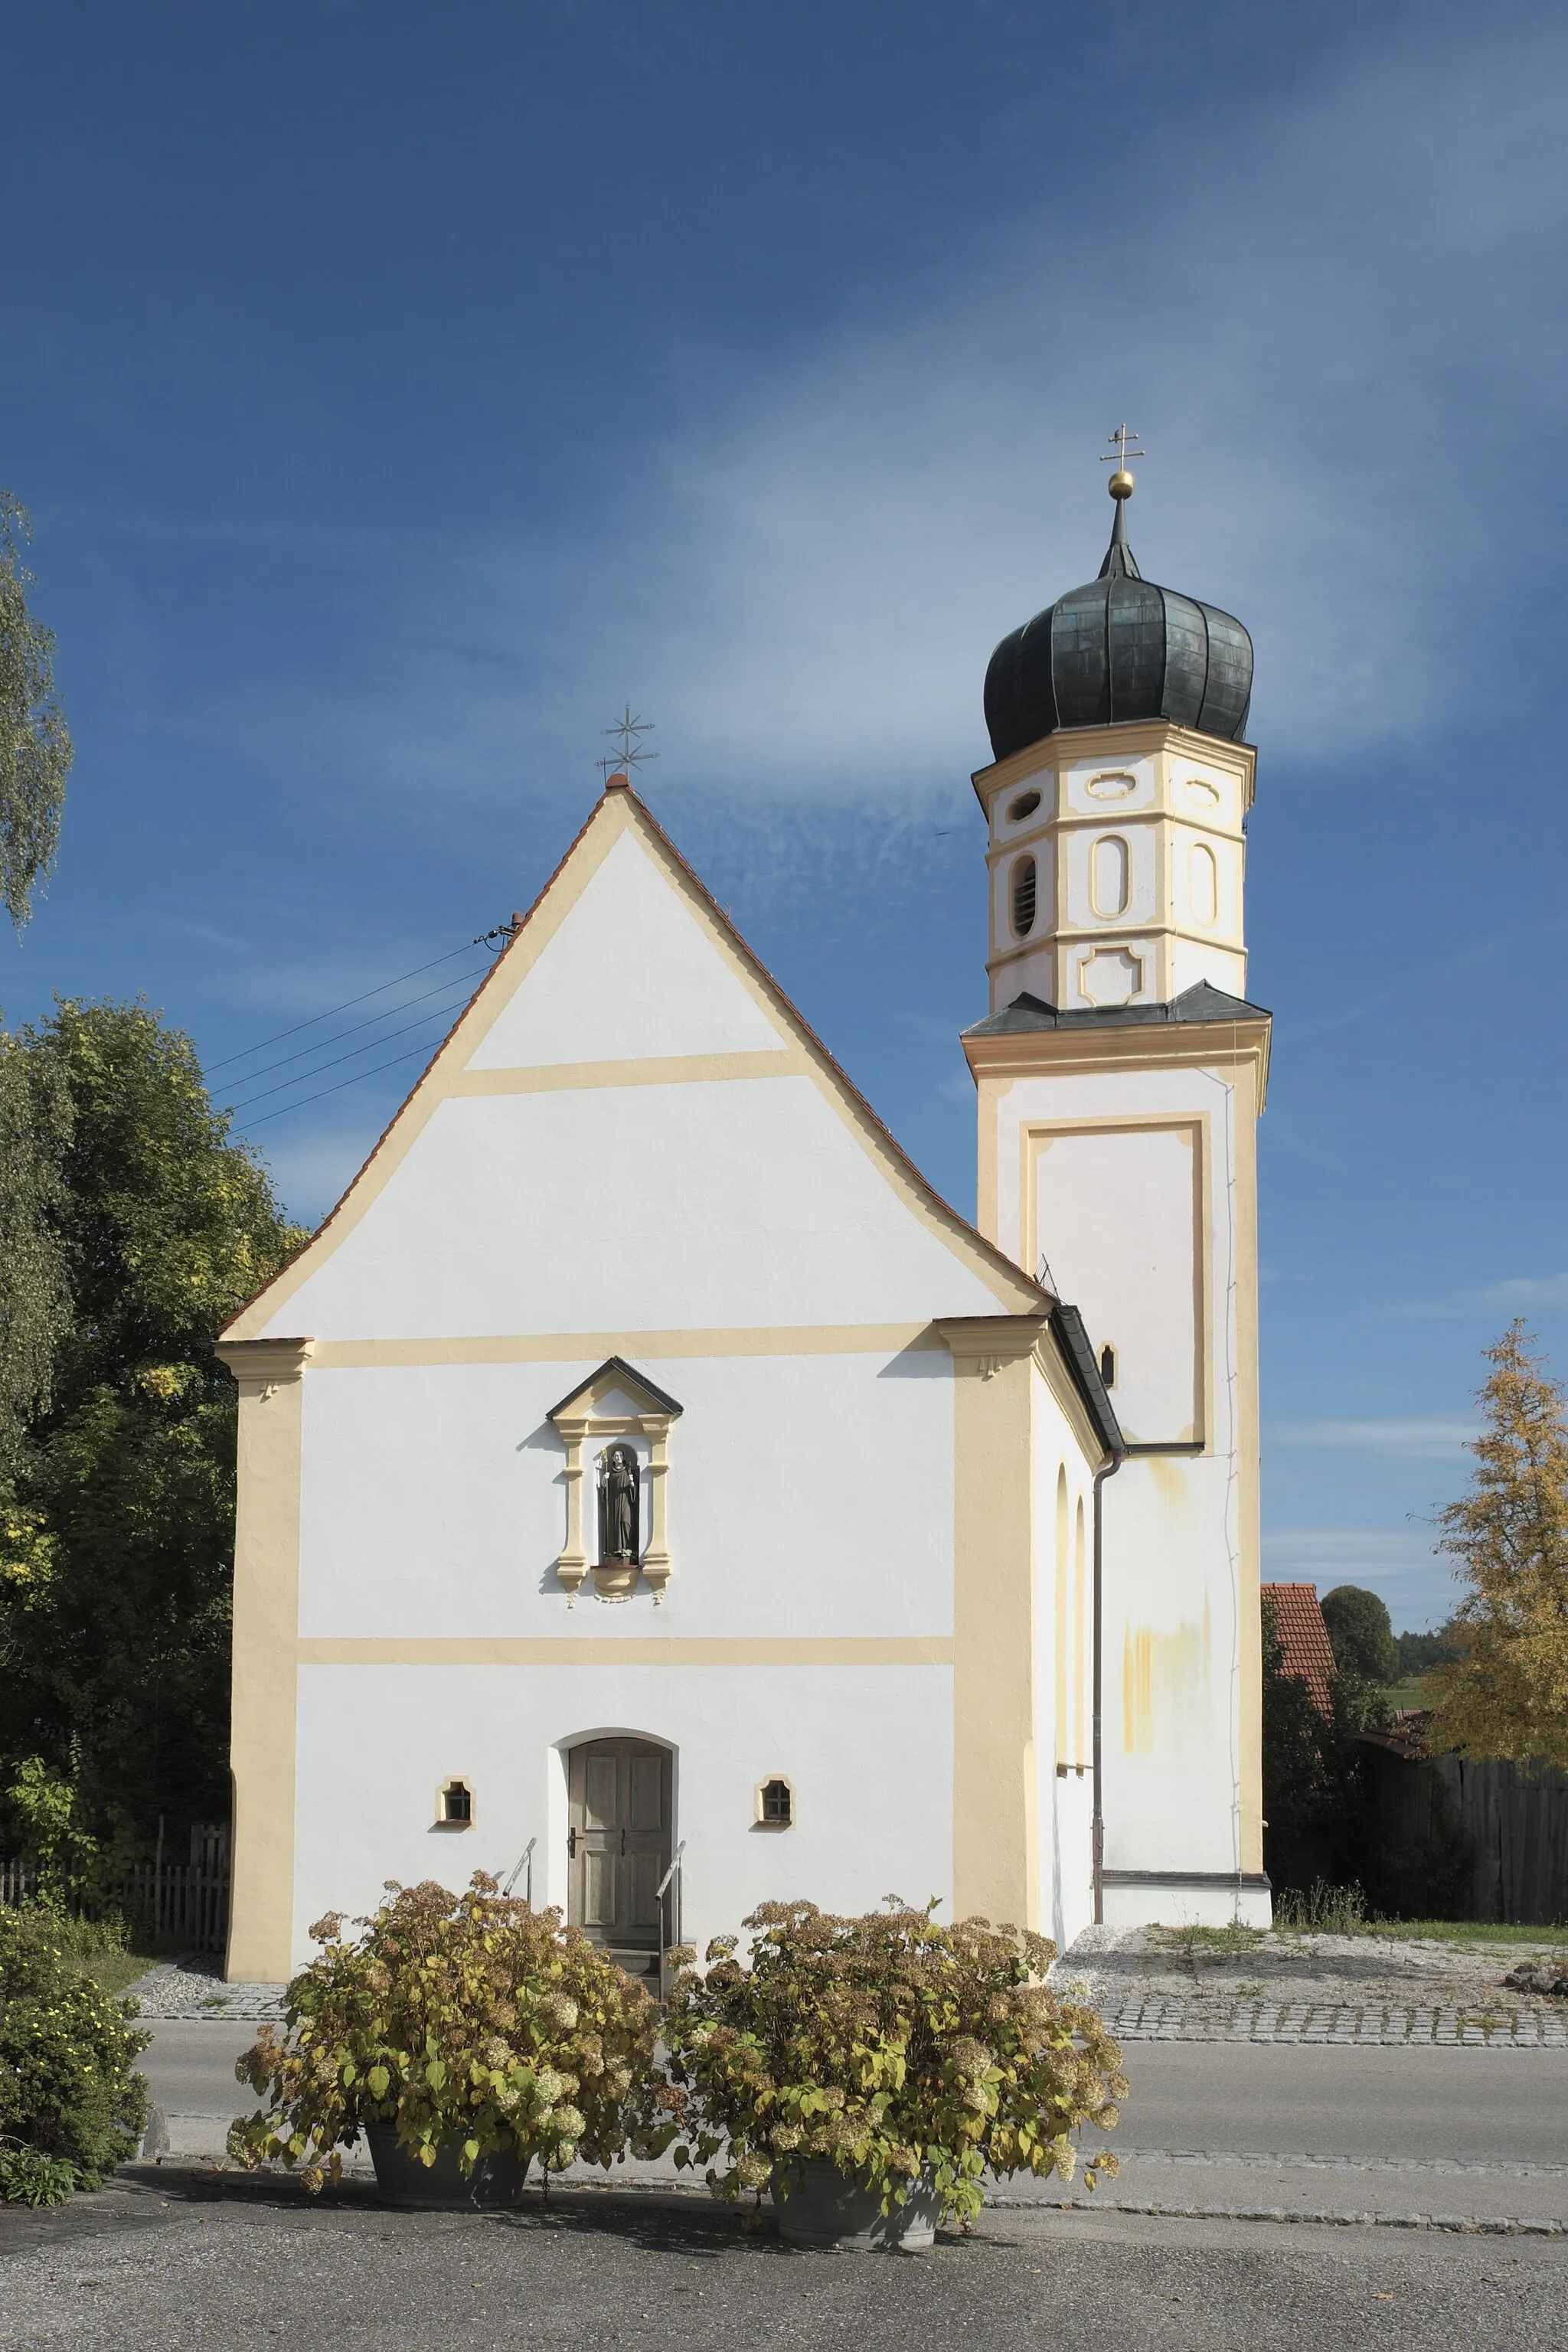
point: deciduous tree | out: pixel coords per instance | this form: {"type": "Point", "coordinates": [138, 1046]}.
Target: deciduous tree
{"type": "Point", "coordinates": [1507, 1694]}
{"type": "Point", "coordinates": [116, 1527]}
{"type": "Point", "coordinates": [35, 741]}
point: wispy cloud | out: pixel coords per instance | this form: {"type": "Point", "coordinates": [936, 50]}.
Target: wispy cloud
{"type": "Point", "coordinates": [809, 579]}
{"type": "Point", "coordinates": [1522, 1294]}
{"type": "Point", "coordinates": [1415, 1440]}
{"type": "Point", "coordinates": [1416, 1582]}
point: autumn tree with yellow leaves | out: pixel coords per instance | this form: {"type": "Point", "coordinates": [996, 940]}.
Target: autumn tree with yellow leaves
{"type": "Point", "coordinates": [1507, 1694]}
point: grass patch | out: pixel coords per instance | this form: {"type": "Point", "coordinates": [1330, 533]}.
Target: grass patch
{"type": "Point", "coordinates": [1325, 1910]}
{"type": "Point", "coordinates": [1409, 1697]}
{"type": "Point", "coordinates": [112, 1971]}
{"type": "Point", "coordinates": [1321, 1910]}
{"type": "Point", "coordinates": [1468, 1931]}
{"type": "Point", "coordinates": [100, 1949]}
{"type": "Point", "coordinates": [1226, 1943]}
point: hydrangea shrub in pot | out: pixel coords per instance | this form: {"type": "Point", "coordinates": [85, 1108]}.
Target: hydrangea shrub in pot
{"type": "Point", "coordinates": [911, 2059]}
{"type": "Point", "coordinates": [469, 2037]}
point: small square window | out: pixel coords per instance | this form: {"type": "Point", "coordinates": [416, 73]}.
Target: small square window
{"type": "Point", "coordinates": [775, 1805]}
{"type": "Point", "coordinates": [455, 1806]}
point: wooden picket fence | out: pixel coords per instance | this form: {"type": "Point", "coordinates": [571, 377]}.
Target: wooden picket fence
{"type": "Point", "coordinates": [183, 1905]}
{"type": "Point", "coordinates": [1513, 1822]}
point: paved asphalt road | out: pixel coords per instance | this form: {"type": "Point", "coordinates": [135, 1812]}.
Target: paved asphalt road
{"type": "Point", "coordinates": [1474, 2106]}
{"type": "Point", "coordinates": [173, 2258]}
{"type": "Point", "coordinates": [177, 2262]}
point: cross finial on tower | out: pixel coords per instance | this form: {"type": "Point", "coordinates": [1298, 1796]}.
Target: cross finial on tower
{"type": "Point", "coordinates": [628, 731]}
{"type": "Point", "coordinates": [1121, 482]}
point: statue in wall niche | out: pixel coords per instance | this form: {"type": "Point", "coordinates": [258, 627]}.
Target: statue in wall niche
{"type": "Point", "coordinates": [618, 1502]}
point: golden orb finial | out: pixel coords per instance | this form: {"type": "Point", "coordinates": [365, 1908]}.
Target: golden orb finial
{"type": "Point", "coordinates": [1121, 482]}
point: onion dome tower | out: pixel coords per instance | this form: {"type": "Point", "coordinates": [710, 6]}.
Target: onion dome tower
{"type": "Point", "coordinates": [1116, 649]}
{"type": "Point", "coordinates": [1118, 794]}
{"type": "Point", "coordinates": [1119, 1076]}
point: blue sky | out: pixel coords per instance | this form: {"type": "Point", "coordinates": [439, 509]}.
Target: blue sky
{"type": "Point", "coordinates": [400, 390]}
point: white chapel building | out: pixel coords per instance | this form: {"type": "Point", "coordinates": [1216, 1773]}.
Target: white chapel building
{"type": "Point", "coordinates": [651, 1492]}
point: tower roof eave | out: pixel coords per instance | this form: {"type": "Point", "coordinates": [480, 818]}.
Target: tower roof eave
{"type": "Point", "coordinates": [1123, 736]}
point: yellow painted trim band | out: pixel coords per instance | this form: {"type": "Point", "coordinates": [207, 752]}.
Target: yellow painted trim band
{"type": "Point", "coordinates": [500, 1650]}
{"type": "Point", "coordinates": [634, 1346]}
{"type": "Point", "coordinates": [668, 1070]}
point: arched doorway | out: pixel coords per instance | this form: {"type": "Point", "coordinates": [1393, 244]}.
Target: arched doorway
{"type": "Point", "coordinates": [619, 1815]}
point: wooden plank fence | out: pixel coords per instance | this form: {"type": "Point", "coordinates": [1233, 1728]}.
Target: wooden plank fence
{"type": "Point", "coordinates": [1515, 1822]}
{"type": "Point", "coordinates": [182, 1904]}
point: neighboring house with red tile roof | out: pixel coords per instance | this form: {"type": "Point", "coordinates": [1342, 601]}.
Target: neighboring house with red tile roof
{"type": "Point", "coordinates": [1305, 1638]}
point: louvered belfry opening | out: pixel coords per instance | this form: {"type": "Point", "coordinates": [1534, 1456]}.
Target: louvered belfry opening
{"type": "Point", "coordinates": [1024, 885]}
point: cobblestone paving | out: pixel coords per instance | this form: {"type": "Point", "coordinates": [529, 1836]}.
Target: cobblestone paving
{"type": "Point", "coordinates": [1203, 2017]}
{"type": "Point", "coordinates": [1153, 1984]}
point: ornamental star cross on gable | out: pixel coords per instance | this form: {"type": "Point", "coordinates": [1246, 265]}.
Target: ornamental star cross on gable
{"type": "Point", "coordinates": [627, 731]}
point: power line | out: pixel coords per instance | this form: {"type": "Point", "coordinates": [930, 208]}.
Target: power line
{"type": "Point", "coordinates": [302, 1053]}
{"type": "Point", "coordinates": [502, 931]}
{"type": "Point", "coordinates": [413, 1054]}
{"type": "Point", "coordinates": [354, 1051]}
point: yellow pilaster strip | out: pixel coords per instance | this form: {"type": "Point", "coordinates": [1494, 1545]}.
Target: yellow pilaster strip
{"type": "Point", "coordinates": [265, 1627]}
{"type": "Point", "coordinates": [995, 1842]}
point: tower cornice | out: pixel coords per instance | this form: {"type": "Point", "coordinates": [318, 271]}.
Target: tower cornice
{"type": "Point", "coordinates": [1137, 739]}
{"type": "Point", "coordinates": [1080, 1043]}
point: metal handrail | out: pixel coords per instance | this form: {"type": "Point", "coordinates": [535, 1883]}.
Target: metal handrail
{"type": "Point", "coordinates": [524, 1861]}
{"type": "Point", "coordinates": [675, 1873]}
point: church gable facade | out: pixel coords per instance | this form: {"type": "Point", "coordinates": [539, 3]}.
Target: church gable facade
{"type": "Point", "coordinates": [652, 1493]}
{"type": "Point", "coordinates": [647, 1486]}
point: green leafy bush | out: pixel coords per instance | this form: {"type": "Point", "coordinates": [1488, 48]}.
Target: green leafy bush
{"type": "Point", "coordinates": [68, 2084]}
{"type": "Point", "coordinates": [892, 2047]}
{"type": "Point", "coordinates": [28, 2179]}
{"type": "Point", "coordinates": [469, 2019]}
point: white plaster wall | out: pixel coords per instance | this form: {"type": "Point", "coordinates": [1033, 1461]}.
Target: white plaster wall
{"type": "Point", "coordinates": [1188, 1906]}
{"type": "Point", "coordinates": [1006, 827]}
{"type": "Point", "coordinates": [1063, 1807]}
{"type": "Point", "coordinates": [869, 1752]}
{"type": "Point", "coordinates": [1071, 1819]}
{"type": "Point", "coordinates": [1143, 904]}
{"type": "Point", "coordinates": [1171, 1524]}
{"type": "Point", "coordinates": [805, 1493]}
{"type": "Point", "coordinates": [1171, 1568]}
{"type": "Point", "coordinates": [1080, 780]}
{"type": "Point", "coordinates": [1003, 937]}
{"type": "Point", "coordinates": [1209, 793]}
{"type": "Point", "coordinates": [1225, 928]}
{"type": "Point", "coordinates": [629, 974]}
{"type": "Point", "coordinates": [1115, 1217]}
{"type": "Point", "coordinates": [1192, 960]}
{"type": "Point", "coordinates": [659, 1207]}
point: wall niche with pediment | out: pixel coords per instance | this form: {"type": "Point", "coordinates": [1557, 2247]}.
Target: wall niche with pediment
{"type": "Point", "coordinates": [615, 1428]}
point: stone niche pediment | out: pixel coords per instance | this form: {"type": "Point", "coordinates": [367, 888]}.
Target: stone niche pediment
{"type": "Point", "coordinates": [617, 1400]}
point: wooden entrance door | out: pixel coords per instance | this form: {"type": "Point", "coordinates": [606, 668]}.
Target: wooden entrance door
{"type": "Point", "coordinates": [618, 1794]}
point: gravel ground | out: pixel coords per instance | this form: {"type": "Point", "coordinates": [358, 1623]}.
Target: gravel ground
{"type": "Point", "coordinates": [1149, 1984]}
{"type": "Point", "coordinates": [189, 1988]}
{"type": "Point", "coordinates": [1152, 1984]}
{"type": "Point", "coordinates": [181, 2264]}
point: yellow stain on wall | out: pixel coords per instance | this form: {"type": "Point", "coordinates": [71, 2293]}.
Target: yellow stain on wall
{"type": "Point", "coordinates": [1164, 1687]}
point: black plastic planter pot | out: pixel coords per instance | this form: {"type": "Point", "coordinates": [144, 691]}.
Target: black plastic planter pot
{"type": "Point", "coordinates": [495, 2182]}
{"type": "Point", "coordinates": [827, 2211]}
